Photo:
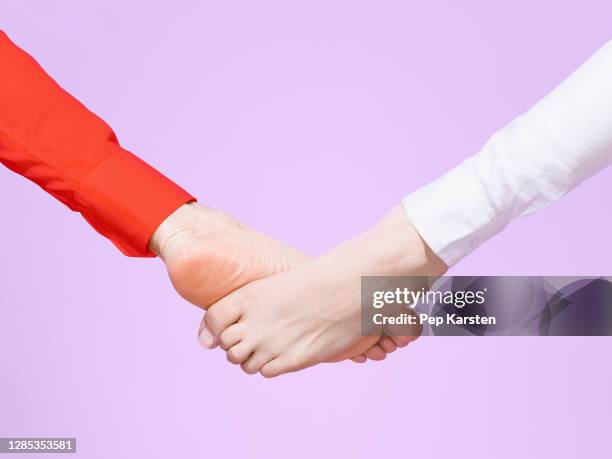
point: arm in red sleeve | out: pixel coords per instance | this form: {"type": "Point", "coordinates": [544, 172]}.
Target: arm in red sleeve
{"type": "Point", "coordinates": [49, 137]}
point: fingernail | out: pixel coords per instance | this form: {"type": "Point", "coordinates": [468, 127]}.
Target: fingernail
{"type": "Point", "coordinates": [206, 339]}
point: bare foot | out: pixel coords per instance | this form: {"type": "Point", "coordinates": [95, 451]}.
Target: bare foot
{"type": "Point", "coordinates": [311, 314]}
{"type": "Point", "coordinates": [209, 254]}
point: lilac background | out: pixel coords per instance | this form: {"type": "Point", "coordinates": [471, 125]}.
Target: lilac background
{"type": "Point", "coordinates": [308, 120]}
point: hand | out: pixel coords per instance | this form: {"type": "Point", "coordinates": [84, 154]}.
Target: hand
{"type": "Point", "coordinates": [311, 314]}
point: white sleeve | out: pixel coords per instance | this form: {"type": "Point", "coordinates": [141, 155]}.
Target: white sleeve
{"type": "Point", "coordinates": [533, 161]}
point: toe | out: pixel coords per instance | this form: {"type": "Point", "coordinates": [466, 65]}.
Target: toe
{"type": "Point", "coordinates": [403, 341]}
{"type": "Point", "coordinates": [255, 363]}
{"type": "Point", "coordinates": [281, 365]}
{"type": "Point", "coordinates": [223, 314]}
{"type": "Point", "coordinates": [231, 336]}
{"type": "Point", "coordinates": [239, 353]}
{"type": "Point", "coordinates": [359, 358]}
{"type": "Point", "coordinates": [376, 353]}
{"type": "Point", "coordinates": [273, 368]}
{"type": "Point", "coordinates": [387, 344]}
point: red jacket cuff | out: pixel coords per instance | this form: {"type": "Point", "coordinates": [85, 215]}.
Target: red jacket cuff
{"type": "Point", "coordinates": [126, 200]}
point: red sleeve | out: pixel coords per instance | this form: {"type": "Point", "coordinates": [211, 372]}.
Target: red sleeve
{"type": "Point", "coordinates": [49, 137]}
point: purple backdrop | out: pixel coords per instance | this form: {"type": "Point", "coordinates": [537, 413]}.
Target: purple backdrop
{"type": "Point", "coordinates": [308, 120]}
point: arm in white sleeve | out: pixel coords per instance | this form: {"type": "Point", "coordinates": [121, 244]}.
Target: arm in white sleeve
{"type": "Point", "coordinates": [533, 161]}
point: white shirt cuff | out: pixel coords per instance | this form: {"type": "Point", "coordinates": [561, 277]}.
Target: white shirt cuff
{"type": "Point", "coordinates": [451, 214]}
{"type": "Point", "coordinates": [528, 164]}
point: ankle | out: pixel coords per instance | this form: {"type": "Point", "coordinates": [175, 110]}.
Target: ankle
{"type": "Point", "coordinates": [397, 249]}
{"type": "Point", "coordinates": [186, 221]}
